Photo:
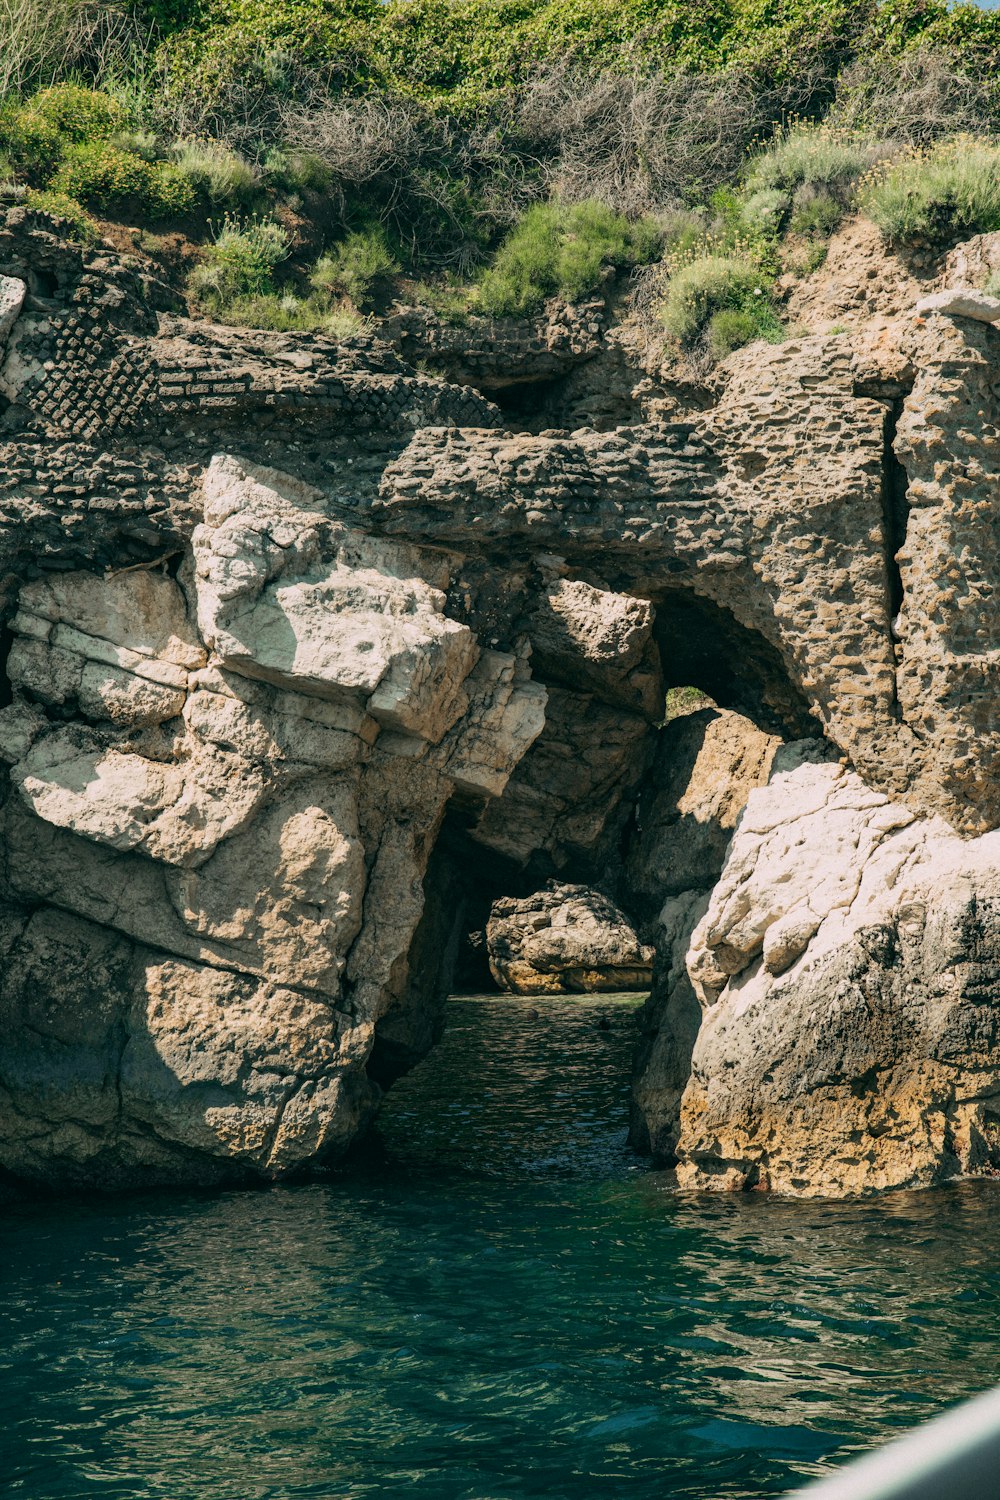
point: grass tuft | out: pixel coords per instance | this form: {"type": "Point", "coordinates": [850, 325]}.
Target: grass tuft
{"type": "Point", "coordinates": [932, 195]}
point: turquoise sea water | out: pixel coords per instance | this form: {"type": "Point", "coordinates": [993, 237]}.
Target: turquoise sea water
{"type": "Point", "coordinates": [501, 1302]}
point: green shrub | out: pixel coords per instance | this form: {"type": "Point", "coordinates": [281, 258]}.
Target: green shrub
{"type": "Point", "coordinates": [563, 249]}
{"type": "Point", "coordinates": [451, 298]}
{"type": "Point", "coordinates": [296, 171]}
{"type": "Point", "coordinates": [73, 217]}
{"type": "Point", "coordinates": [31, 145]}
{"type": "Point", "coordinates": [241, 261]}
{"type": "Point", "coordinates": [762, 211]}
{"type": "Point", "coordinates": [144, 143]}
{"type": "Point", "coordinates": [992, 287]}
{"type": "Point", "coordinates": [709, 285]}
{"type": "Point", "coordinates": [78, 113]}
{"type": "Point", "coordinates": [930, 196]}
{"type": "Point", "coordinates": [815, 212]}
{"type": "Point", "coordinates": [217, 174]}
{"type": "Point", "coordinates": [733, 327]}
{"type": "Point", "coordinates": [354, 268]}
{"type": "Point", "coordinates": [814, 155]}
{"type": "Point", "coordinates": [285, 312]}
{"type": "Point", "coordinates": [105, 178]}
{"type": "Point", "coordinates": [683, 230]}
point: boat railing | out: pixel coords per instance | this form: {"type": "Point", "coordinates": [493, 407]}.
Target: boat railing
{"type": "Point", "coordinates": [955, 1456]}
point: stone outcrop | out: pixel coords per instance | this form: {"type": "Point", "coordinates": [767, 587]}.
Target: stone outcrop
{"type": "Point", "coordinates": [707, 764]}
{"type": "Point", "coordinates": [848, 964]}
{"type": "Point", "coordinates": [225, 790]}
{"type": "Point", "coordinates": [278, 610]}
{"type": "Point", "coordinates": [565, 939]}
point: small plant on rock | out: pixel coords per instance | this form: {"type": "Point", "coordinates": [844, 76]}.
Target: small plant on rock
{"type": "Point", "coordinates": [563, 249]}
{"type": "Point", "coordinates": [217, 174]}
{"type": "Point", "coordinates": [73, 219]}
{"type": "Point", "coordinates": [931, 196]}
{"type": "Point", "coordinates": [355, 267]}
{"type": "Point", "coordinates": [814, 156]}
{"type": "Point", "coordinates": [240, 262]}
{"type": "Point", "coordinates": [104, 177]}
{"type": "Point", "coordinates": [727, 295]}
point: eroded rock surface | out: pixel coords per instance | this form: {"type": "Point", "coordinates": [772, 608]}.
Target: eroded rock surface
{"type": "Point", "coordinates": [707, 764]}
{"type": "Point", "coordinates": [565, 938]}
{"type": "Point", "coordinates": [280, 609]}
{"type": "Point", "coordinates": [848, 966]}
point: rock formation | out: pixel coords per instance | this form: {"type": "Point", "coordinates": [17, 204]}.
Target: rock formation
{"type": "Point", "coordinates": [707, 764]}
{"type": "Point", "coordinates": [279, 610]}
{"type": "Point", "coordinates": [848, 964]}
{"type": "Point", "coordinates": [565, 939]}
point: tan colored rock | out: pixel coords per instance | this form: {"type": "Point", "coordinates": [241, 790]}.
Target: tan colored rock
{"type": "Point", "coordinates": [505, 716]}
{"type": "Point", "coordinates": [12, 294]}
{"type": "Point", "coordinates": [591, 637]}
{"type": "Point", "coordinates": [961, 302]}
{"type": "Point", "coordinates": [847, 964]}
{"type": "Point", "coordinates": [266, 831]}
{"type": "Point", "coordinates": [286, 598]}
{"type": "Point", "coordinates": [565, 939]}
{"type": "Point", "coordinates": [707, 763]}
{"type": "Point", "coordinates": [135, 1068]}
{"type": "Point", "coordinates": [974, 261]}
{"type": "Point", "coordinates": [947, 632]}
{"type": "Point", "coordinates": [568, 798]}
{"type": "Point", "coordinates": [860, 278]}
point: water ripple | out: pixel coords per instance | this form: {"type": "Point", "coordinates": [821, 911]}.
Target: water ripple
{"type": "Point", "coordinates": [501, 1303]}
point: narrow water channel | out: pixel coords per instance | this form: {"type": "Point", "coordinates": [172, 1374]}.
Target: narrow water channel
{"type": "Point", "coordinates": [496, 1300]}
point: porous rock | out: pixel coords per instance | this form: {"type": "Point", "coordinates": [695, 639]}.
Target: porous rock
{"type": "Point", "coordinates": [847, 964]}
{"type": "Point", "coordinates": [565, 939]}
{"type": "Point", "coordinates": [281, 608]}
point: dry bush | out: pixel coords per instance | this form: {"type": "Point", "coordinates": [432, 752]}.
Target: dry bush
{"type": "Point", "coordinates": [358, 139]}
{"type": "Point", "coordinates": [916, 97]}
{"type": "Point", "coordinates": [40, 40]}
{"type": "Point", "coordinates": [447, 189]}
{"type": "Point", "coordinates": [643, 141]}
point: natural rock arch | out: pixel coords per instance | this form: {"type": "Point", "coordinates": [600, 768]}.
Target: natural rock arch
{"type": "Point", "coordinates": [277, 605]}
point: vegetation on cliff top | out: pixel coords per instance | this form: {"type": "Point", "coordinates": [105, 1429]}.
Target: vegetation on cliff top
{"type": "Point", "coordinates": [302, 157]}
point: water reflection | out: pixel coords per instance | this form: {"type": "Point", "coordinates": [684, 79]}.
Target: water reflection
{"type": "Point", "coordinates": [578, 1330]}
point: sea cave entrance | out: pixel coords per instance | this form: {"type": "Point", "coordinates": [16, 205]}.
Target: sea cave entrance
{"type": "Point", "coordinates": [611, 813]}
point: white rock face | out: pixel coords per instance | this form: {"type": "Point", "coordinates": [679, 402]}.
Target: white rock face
{"type": "Point", "coordinates": [847, 964]}
{"type": "Point", "coordinates": [287, 597]}
{"type": "Point", "coordinates": [12, 294]}
{"type": "Point", "coordinates": [223, 831]}
{"type": "Point", "coordinates": [962, 303]}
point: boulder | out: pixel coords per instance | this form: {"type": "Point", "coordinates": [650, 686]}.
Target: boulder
{"type": "Point", "coordinates": [962, 302]}
{"type": "Point", "coordinates": [563, 940]}
{"type": "Point", "coordinates": [848, 965]}
{"type": "Point", "coordinates": [12, 294]}
{"type": "Point", "coordinates": [217, 838]}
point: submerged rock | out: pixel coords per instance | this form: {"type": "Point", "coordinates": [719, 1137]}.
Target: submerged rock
{"type": "Point", "coordinates": [565, 939]}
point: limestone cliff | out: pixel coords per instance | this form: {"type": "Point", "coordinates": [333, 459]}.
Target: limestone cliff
{"type": "Point", "coordinates": [300, 642]}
